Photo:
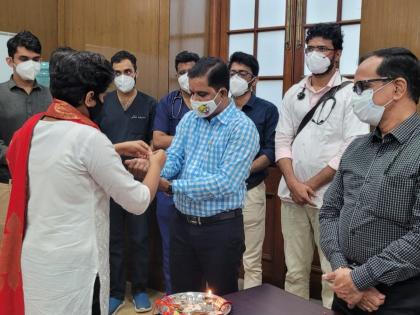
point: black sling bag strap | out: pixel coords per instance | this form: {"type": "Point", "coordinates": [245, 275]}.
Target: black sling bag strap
{"type": "Point", "coordinates": [326, 96]}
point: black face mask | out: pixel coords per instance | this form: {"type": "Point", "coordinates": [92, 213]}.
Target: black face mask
{"type": "Point", "coordinates": [95, 112]}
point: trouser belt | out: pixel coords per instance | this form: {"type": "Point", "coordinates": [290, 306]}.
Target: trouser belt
{"type": "Point", "coordinates": [194, 220]}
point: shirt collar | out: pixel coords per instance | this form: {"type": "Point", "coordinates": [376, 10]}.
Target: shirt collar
{"type": "Point", "coordinates": [225, 115]}
{"type": "Point", "coordinates": [12, 84]}
{"type": "Point", "coordinates": [251, 101]}
{"type": "Point", "coordinates": [335, 80]}
{"type": "Point", "coordinates": [403, 132]}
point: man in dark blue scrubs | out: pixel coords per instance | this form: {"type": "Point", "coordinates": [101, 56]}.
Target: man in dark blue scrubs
{"type": "Point", "coordinates": [127, 114]}
{"type": "Point", "coordinates": [169, 112]}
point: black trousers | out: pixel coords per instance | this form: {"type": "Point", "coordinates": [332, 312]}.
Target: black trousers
{"type": "Point", "coordinates": [403, 298]}
{"type": "Point", "coordinates": [207, 254]}
{"type": "Point", "coordinates": [136, 228]}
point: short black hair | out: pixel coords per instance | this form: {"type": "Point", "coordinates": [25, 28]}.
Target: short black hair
{"type": "Point", "coordinates": [245, 59]}
{"type": "Point", "coordinates": [122, 55]}
{"type": "Point", "coordinates": [57, 55]}
{"type": "Point", "coordinates": [23, 39]}
{"type": "Point", "coordinates": [399, 62]}
{"type": "Point", "coordinates": [331, 31]}
{"type": "Point", "coordinates": [185, 56]}
{"type": "Point", "coordinates": [215, 69]}
{"type": "Point", "coordinates": [78, 73]}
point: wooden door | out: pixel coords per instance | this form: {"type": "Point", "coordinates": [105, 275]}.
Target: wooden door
{"type": "Point", "coordinates": [390, 23]}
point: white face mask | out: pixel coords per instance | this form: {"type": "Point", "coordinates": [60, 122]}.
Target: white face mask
{"type": "Point", "coordinates": [204, 109]}
{"type": "Point", "coordinates": [184, 83]}
{"type": "Point", "coordinates": [124, 83]}
{"type": "Point", "coordinates": [28, 70]}
{"type": "Point", "coordinates": [365, 109]}
{"type": "Point", "coordinates": [317, 62]}
{"type": "Point", "coordinates": [238, 86]}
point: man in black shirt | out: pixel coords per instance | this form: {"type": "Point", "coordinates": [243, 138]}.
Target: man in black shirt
{"type": "Point", "coordinates": [127, 114]}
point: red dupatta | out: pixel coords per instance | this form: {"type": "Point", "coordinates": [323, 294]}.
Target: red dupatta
{"type": "Point", "coordinates": [11, 289]}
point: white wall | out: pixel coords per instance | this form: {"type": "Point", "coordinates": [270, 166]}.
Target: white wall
{"type": "Point", "coordinates": [5, 70]}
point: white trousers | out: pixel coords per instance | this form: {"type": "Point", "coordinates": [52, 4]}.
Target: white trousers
{"type": "Point", "coordinates": [254, 226]}
{"type": "Point", "coordinates": [300, 227]}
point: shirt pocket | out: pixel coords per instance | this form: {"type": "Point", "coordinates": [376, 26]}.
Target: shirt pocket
{"type": "Point", "coordinates": [396, 198]}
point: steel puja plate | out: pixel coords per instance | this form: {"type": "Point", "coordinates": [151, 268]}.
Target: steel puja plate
{"type": "Point", "coordinates": [193, 303]}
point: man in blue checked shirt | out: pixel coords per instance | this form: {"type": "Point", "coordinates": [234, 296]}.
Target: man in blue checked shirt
{"type": "Point", "coordinates": [207, 165]}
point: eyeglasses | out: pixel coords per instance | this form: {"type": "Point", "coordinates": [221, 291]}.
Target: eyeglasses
{"type": "Point", "coordinates": [321, 49]}
{"type": "Point", "coordinates": [242, 73]}
{"type": "Point", "coordinates": [360, 86]}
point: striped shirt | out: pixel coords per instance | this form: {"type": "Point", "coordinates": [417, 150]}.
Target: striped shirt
{"type": "Point", "coordinates": [209, 161]}
{"type": "Point", "coordinates": [371, 212]}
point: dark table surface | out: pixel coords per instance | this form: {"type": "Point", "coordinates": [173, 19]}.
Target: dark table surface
{"type": "Point", "coordinates": [270, 300]}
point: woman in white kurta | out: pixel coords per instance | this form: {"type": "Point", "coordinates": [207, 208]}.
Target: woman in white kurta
{"type": "Point", "coordinates": [73, 171]}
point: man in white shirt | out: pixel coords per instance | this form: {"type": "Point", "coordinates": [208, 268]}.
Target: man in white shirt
{"type": "Point", "coordinates": [309, 155]}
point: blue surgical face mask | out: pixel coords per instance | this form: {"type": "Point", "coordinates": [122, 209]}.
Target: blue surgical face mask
{"type": "Point", "coordinates": [365, 108]}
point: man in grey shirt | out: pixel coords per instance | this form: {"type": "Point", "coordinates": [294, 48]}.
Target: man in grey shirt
{"type": "Point", "coordinates": [20, 98]}
{"type": "Point", "coordinates": [370, 219]}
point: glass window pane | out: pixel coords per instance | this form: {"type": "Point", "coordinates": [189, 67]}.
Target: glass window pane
{"type": "Point", "coordinates": [271, 53]}
{"type": "Point", "coordinates": [241, 42]}
{"type": "Point", "coordinates": [318, 11]}
{"type": "Point", "coordinates": [352, 10]}
{"type": "Point", "coordinates": [350, 55]}
{"type": "Point", "coordinates": [271, 90]}
{"type": "Point", "coordinates": [272, 13]}
{"type": "Point", "coordinates": [242, 14]}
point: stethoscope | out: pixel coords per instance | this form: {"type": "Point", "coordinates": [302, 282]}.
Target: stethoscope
{"type": "Point", "coordinates": [178, 96]}
{"type": "Point", "coordinates": [301, 95]}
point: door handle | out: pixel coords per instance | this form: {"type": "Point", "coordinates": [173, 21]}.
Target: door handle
{"type": "Point", "coordinates": [299, 24]}
{"type": "Point", "coordinates": [289, 27]}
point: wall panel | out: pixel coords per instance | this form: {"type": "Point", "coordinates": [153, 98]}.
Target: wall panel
{"type": "Point", "coordinates": [37, 16]}
{"type": "Point", "coordinates": [388, 23]}
{"type": "Point", "coordinates": [107, 26]}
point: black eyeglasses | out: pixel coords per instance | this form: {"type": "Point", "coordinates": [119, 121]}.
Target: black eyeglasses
{"type": "Point", "coordinates": [360, 86]}
{"type": "Point", "coordinates": [242, 73]}
{"type": "Point", "coordinates": [321, 49]}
